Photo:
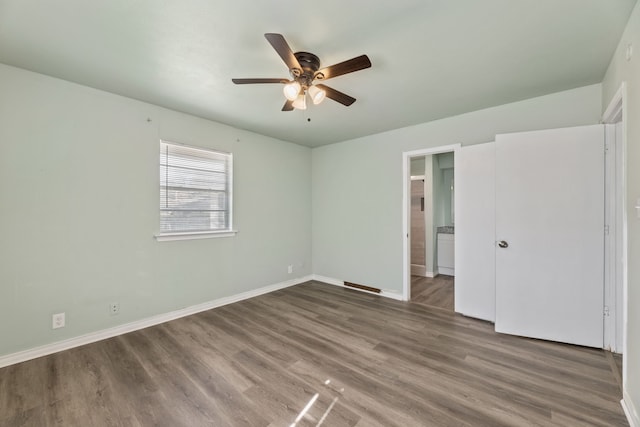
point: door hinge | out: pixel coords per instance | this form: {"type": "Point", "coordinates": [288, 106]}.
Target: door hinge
{"type": "Point", "coordinates": [606, 311]}
{"type": "Point", "coordinates": [606, 230]}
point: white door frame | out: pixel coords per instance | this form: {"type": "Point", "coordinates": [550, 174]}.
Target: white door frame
{"type": "Point", "coordinates": [616, 244]}
{"type": "Point", "coordinates": [406, 211]}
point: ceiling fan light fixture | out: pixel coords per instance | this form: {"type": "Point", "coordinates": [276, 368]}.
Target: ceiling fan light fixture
{"type": "Point", "coordinates": [304, 70]}
{"type": "Point", "coordinates": [301, 102]}
{"type": "Point", "coordinates": [317, 95]}
{"type": "Point", "coordinates": [291, 90]}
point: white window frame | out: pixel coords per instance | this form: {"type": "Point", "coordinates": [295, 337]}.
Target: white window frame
{"type": "Point", "coordinates": [201, 234]}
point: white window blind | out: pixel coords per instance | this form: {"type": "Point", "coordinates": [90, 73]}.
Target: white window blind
{"type": "Point", "coordinates": [195, 189]}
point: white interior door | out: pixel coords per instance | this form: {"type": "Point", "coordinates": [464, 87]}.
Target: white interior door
{"type": "Point", "coordinates": [475, 289]}
{"type": "Point", "coordinates": [550, 212]}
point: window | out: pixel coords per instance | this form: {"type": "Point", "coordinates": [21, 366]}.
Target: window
{"type": "Point", "coordinates": [195, 192]}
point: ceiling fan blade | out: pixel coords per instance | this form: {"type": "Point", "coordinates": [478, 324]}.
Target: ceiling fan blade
{"type": "Point", "coordinates": [337, 96]}
{"type": "Point", "coordinates": [280, 45]}
{"type": "Point", "coordinates": [355, 64]}
{"type": "Point", "coordinates": [252, 81]}
{"type": "Point", "coordinates": [288, 106]}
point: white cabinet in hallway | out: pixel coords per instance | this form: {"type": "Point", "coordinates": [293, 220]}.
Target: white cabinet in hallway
{"type": "Point", "coordinates": [446, 254]}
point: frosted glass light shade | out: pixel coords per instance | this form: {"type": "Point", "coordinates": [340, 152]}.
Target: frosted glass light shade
{"type": "Point", "coordinates": [291, 90]}
{"type": "Point", "coordinates": [301, 102]}
{"type": "Point", "coordinates": [317, 95]}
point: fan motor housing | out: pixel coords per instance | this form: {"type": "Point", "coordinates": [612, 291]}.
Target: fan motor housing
{"type": "Point", "coordinates": [310, 64]}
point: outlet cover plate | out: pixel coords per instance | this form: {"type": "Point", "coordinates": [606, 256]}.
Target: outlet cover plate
{"type": "Point", "coordinates": [57, 321]}
{"type": "Point", "coordinates": [114, 308]}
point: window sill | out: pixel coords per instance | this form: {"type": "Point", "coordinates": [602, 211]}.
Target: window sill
{"type": "Point", "coordinates": [192, 235]}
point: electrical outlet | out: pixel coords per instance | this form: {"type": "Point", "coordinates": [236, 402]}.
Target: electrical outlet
{"type": "Point", "coordinates": [114, 308]}
{"type": "Point", "coordinates": [57, 321]}
{"type": "Point", "coordinates": [290, 269]}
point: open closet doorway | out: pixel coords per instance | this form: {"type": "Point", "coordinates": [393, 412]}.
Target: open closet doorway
{"type": "Point", "coordinates": [428, 226]}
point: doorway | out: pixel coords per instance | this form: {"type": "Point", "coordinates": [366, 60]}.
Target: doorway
{"type": "Point", "coordinates": [433, 170]}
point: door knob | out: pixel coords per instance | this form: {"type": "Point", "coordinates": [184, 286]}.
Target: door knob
{"type": "Point", "coordinates": [503, 244]}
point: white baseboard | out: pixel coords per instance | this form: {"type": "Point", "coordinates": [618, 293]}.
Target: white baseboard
{"type": "Point", "coordinates": [55, 347]}
{"type": "Point", "coordinates": [421, 270]}
{"type": "Point", "coordinates": [447, 271]}
{"type": "Point", "coordinates": [630, 410]}
{"type": "Point", "coordinates": [336, 282]}
{"type": "Point", "coordinates": [328, 280]}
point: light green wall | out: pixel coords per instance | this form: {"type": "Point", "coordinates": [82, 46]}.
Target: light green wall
{"type": "Point", "coordinates": [438, 211]}
{"type": "Point", "coordinates": [429, 230]}
{"type": "Point", "coordinates": [79, 208]}
{"type": "Point", "coordinates": [445, 160]}
{"type": "Point", "coordinates": [443, 203]}
{"type": "Point", "coordinates": [357, 184]}
{"type": "Point", "coordinates": [447, 179]}
{"type": "Point", "coordinates": [620, 70]}
{"type": "Point", "coordinates": [438, 196]}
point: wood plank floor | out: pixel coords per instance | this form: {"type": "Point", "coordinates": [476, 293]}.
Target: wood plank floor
{"type": "Point", "coordinates": [435, 292]}
{"type": "Point", "coordinates": [350, 358]}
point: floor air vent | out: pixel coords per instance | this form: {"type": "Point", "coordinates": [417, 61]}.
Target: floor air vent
{"type": "Point", "coordinates": [363, 287]}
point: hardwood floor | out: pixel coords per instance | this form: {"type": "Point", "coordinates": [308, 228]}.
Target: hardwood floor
{"type": "Point", "coordinates": [352, 359]}
{"type": "Point", "coordinates": [435, 292]}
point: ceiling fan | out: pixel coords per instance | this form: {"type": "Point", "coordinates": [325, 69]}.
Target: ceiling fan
{"type": "Point", "coordinates": [305, 71]}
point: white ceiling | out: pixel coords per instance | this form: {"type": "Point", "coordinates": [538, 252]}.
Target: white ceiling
{"type": "Point", "coordinates": [431, 58]}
